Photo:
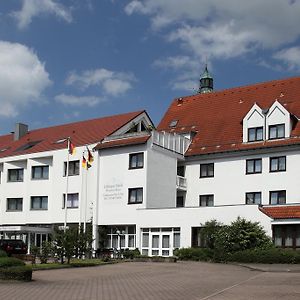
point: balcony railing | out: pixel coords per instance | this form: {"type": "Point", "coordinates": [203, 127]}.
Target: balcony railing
{"type": "Point", "coordinates": [181, 183]}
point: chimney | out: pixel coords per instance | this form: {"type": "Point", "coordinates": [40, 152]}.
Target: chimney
{"type": "Point", "coordinates": [20, 131]}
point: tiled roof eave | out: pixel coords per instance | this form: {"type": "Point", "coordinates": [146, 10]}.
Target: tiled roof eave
{"type": "Point", "coordinates": [228, 151]}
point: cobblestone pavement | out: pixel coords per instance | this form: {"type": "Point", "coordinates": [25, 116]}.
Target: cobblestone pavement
{"type": "Point", "coordinates": [154, 281]}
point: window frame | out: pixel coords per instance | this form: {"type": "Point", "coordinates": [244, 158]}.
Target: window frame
{"type": "Point", "coordinates": [18, 170]}
{"type": "Point", "coordinates": [137, 155]}
{"type": "Point", "coordinates": [40, 202]}
{"type": "Point", "coordinates": [276, 126]}
{"type": "Point", "coordinates": [207, 165]}
{"type": "Point", "coordinates": [255, 160]}
{"type": "Point", "coordinates": [42, 172]}
{"type": "Point", "coordinates": [278, 169]}
{"type": "Point", "coordinates": [72, 165]}
{"type": "Point", "coordinates": [254, 194]}
{"type": "Point", "coordinates": [207, 198]}
{"type": "Point", "coordinates": [135, 190]}
{"type": "Point", "coordinates": [16, 209]}
{"type": "Point", "coordinates": [72, 200]}
{"type": "Point", "coordinates": [277, 200]}
{"type": "Point", "coordinates": [256, 134]}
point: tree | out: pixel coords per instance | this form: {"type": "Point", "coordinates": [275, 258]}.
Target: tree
{"type": "Point", "coordinates": [209, 233]}
{"type": "Point", "coordinates": [241, 235]}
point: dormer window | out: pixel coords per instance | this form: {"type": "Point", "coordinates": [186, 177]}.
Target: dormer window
{"type": "Point", "coordinates": [276, 131]}
{"type": "Point", "coordinates": [255, 134]}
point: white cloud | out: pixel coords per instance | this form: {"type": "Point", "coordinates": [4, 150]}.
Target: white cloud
{"type": "Point", "coordinates": [34, 8]}
{"type": "Point", "coordinates": [216, 29]}
{"type": "Point", "coordinates": [290, 57]}
{"type": "Point", "coordinates": [112, 83]}
{"type": "Point", "coordinates": [72, 100]}
{"type": "Point", "coordinates": [23, 78]}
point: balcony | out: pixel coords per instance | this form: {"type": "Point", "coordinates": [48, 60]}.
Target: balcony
{"type": "Point", "coordinates": [181, 183]}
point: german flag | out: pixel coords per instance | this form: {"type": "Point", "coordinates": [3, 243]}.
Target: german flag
{"type": "Point", "coordinates": [84, 162]}
{"type": "Point", "coordinates": [72, 148]}
{"type": "Point", "coordinates": [90, 156]}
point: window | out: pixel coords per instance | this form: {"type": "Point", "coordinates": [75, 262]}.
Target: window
{"type": "Point", "coordinates": [276, 131]}
{"type": "Point", "coordinates": [136, 160]}
{"type": "Point", "coordinates": [28, 146]}
{"type": "Point", "coordinates": [206, 170]}
{"type": "Point", "coordinates": [253, 198]}
{"type": "Point", "coordinates": [180, 201]}
{"type": "Point", "coordinates": [135, 195]}
{"type": "Point", "coordinates": [40, 172]}
{"type": "Point", "coordinates": [206, 200]}
{"type": "Point", "coordinates": [14, 204]}
{"type": "Point", "coordinates": [173, 123]}
{"type": "Point", "coordinates": [72, 200]}
{"type": "Point", "coordinates": [277, 164]}
{"type": "Point", "coordinates": [253, 166]}
{"type": "Point", "coordinates": [15, 175]}
{"type": "Point", "coordinates": [278, 197]}
{"type": "Point", "coordinates": [73, 168]}
{"type": "Point", "coordinates": [39, 203]}
{"type": "Point", "coordinates": [255, 134]}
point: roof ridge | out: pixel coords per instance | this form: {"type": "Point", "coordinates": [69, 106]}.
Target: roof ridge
{"type": "Point", "coordinates": [84, 121]}
{"type": "Point", "coordinates": [243, 87]}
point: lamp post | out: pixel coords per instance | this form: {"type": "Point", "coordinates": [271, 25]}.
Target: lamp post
{"type": "Point", "coordinates": [120, 233]}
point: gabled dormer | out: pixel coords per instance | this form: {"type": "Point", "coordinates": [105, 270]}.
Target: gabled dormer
{"type": "Point", "coordinates": [253, 125]}
{"type": "Point", "coordinates": [278, 122]}
{"type": "Point", "coordinates": [141, 123]}
{"type": "Point", "coordinates": [267, 124]}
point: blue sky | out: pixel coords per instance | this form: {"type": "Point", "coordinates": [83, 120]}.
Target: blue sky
{"type": "Point", "coordinates": [68, 60]}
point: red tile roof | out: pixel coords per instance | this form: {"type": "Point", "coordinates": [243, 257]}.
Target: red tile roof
{"type": "Point", "coordinates": [282, 212]}
{"type": "Point", "coordinates": [217, 117]}
{"type": "Point", "coordinates": [81, 133]}
{"type": "Point", "coordinates": [129, 141]}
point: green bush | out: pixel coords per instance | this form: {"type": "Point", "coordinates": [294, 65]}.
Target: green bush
{"type": "Point", "coordinates": [3, 253]}
{"type": "Point", "coordinates": [6, 262]}
{"type": "Point", "coordinates": [131, 253]}
{"type": "Point", "coordinates": [267, 256]}
{"type": "Point", "coordinates": [241, 235]}
{"type": "Point", "coordinates": [197, 254]}
{"type": "Point", "coordinates": [23, 273]}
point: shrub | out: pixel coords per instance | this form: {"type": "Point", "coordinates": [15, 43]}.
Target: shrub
{"type": "Point", "coordinates": [131, 253]}
{"type": "Point", "coordinates": [241, 235]}
{"type": "Point", "coordinates": [6, 262]}
{"type": "Point", "coordinates": [197, 254]}
{"type": "Point", "coordinates": [3, 253]}
{"type": "Point", "coordinates": [45, 252]}
{"type": "Point", "coordinates": [23, 273]}
{"type": "Point", "coordinates": [267, 256]}
{"type": "Point", "coordinates": [209, 233]}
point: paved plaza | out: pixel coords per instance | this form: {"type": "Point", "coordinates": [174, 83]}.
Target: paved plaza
{"type": "Point", "coordinates": [154, 281]}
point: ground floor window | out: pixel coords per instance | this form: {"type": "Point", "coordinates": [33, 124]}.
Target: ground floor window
{"type": "Point", "coordinates": [160, 241]}
{"type": "Point", "coordinates": [197, 240]}
{"type": "Point", "coordinates": [121, 237]}
{"type": "Point", "coordinates": [286, 236]}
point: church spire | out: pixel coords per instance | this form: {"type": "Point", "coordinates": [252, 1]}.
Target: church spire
{"type": "Point", "coordinates": [206, 82]}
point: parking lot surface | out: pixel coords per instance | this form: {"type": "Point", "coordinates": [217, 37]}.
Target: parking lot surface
{"type": "Point", "coordinates": [154, 281]}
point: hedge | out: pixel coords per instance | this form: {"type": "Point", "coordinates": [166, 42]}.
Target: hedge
{"type": "Point", "coordinates": [6, 262]}
{"type": "Point", "coordinates": [23, 273]}
{"type": "Point", "coordinates": [267, 256]}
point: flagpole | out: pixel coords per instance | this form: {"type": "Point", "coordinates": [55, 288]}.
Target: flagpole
{"type": "Point", "coordinates": [86, 199]}
{"type": "Point", "coordinates": [67, 184]}
{"type": "Point", "coordinates": [81, 198]}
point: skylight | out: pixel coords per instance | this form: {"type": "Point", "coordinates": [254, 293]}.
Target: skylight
{"type": "Point", "coordinates": [173, 123]}
{"type": "Point", "coordinates": [28, 146]}
{"type": "Point", "coordinates": [60, 141]}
